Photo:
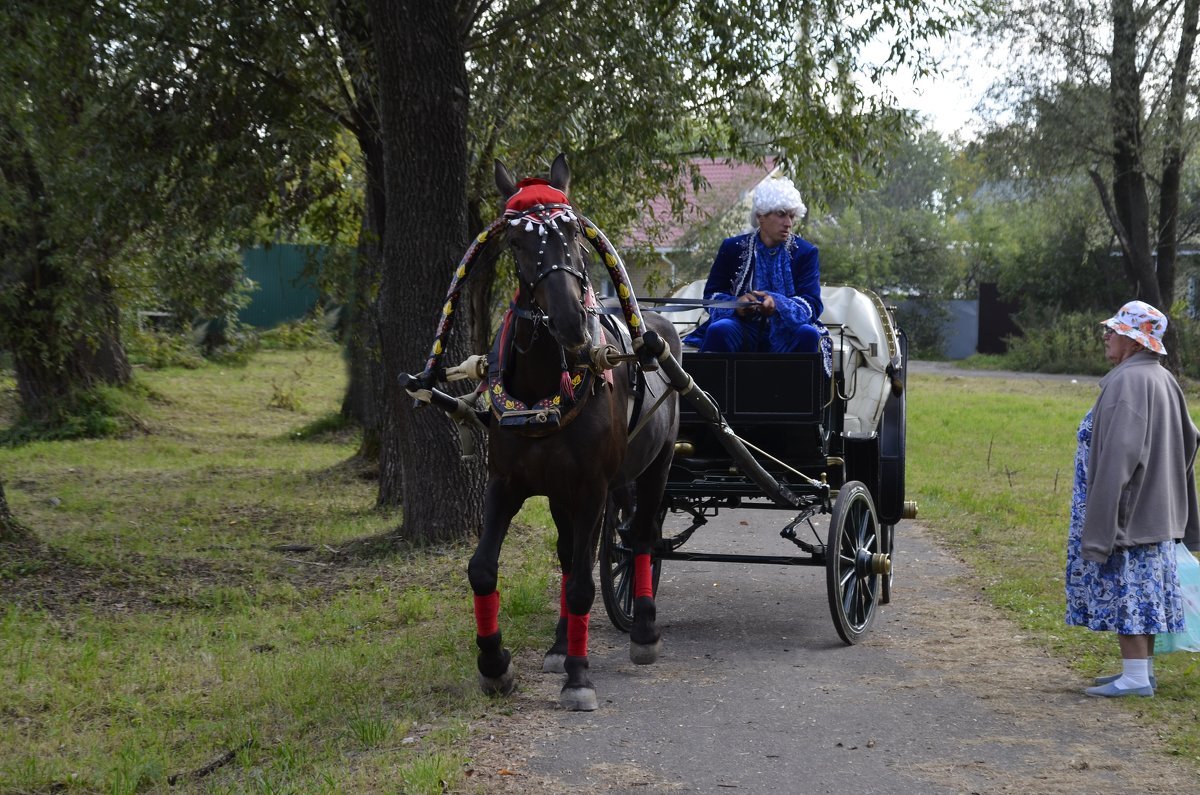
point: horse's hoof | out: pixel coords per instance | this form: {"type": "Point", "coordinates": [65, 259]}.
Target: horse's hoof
{"type": "Point", "coordinates": [499, 685]}
{"type": "Point", "coordinates": [645, 653]}
{"type": "Point", "coordinates": [578, 699]}
{"type": "Point", "coordinates": [554, 664]}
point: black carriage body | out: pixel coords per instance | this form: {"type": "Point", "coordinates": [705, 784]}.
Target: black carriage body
{"type": "Point", "coordinates": [803, 430]}
{"type": "Point", "coordinates": [778, 403]}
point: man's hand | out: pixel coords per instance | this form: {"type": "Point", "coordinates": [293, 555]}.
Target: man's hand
{"type": "Point", "coordinates": [756, 302]}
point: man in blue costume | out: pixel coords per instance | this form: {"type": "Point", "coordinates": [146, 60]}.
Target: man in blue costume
{"type": "Point", "coordinates": [772, 274]}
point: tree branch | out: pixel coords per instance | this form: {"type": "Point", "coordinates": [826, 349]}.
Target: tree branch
{"type": "Point", "coordinates": [1111, 213]}
{"type": "Point", "coordinates": [276, 80]}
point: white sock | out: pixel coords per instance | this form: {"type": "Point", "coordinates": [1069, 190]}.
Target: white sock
{"type": "Point", "coordinates": [1150, 666]}
{"type": "Point", "coordinates": [1135, 674]}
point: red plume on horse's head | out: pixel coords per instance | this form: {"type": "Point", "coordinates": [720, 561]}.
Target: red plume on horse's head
{"type": "Point", "coordinates": [528, 193]}
{"type": "Point", "coordinates": [531, 192]}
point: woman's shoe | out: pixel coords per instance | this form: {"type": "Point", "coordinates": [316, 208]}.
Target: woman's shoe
{"type": "Point", "coordinates": [1103, 680]}
{"type": "Point", "coordinates": [1111, 690]}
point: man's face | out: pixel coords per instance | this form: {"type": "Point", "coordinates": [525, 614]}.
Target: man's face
{"type": "Point", "coordinates": [774, 227]}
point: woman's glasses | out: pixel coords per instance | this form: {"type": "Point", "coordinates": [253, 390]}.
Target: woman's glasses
{"type": "Point", "coordinates": [1107, 333]}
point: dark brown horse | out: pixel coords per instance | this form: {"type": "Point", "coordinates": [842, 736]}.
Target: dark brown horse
{"type": "Point", "coordinates": [561, 429]}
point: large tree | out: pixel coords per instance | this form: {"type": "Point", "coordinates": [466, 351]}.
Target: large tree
{"type": "Point", "coordinates": [630, 90]}
{"type": "Point", "coordinates": [1105, 89]}
{"type": "Point", "coordinates": [135, 140]}
{"type": "Point", "coordinates": [433, 91]}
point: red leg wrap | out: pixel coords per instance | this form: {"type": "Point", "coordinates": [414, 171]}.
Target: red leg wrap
{"type": "Point", "coordinates": [643, 578]}
{"type": "Point", "coordinates": [562, 599]}
{"type": "Point", "coordinates": [577, 629]}
{"type": "Point", "coordinates": [487, 614]}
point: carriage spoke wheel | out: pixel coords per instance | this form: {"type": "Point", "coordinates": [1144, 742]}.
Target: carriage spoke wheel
{"type": "Point", "coordinates": [616, 567]}
{"type": "Point", "coordinates": [855, 562]}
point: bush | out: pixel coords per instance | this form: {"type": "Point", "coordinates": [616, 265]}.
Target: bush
{"type": "Point", "coordinates": [304, 334]}
{"type": "Point", "coordinates": [102, 411]}
{"type": "Point", "coordinates": [925, 324]}
{"type": "Point", "coordinates": [1070, 343]}
{"type": "Point", "coordinates": [1188, 341]}
{"type": "Point", "coordinates": [158, 349]}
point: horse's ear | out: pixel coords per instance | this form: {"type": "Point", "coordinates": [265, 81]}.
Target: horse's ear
{"type": "Point", "coordinates": [504, 181]}
{"type": "Point", "coordinates": [560, 173]}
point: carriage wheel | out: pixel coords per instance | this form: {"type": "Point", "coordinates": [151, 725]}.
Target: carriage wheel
{"type": "Point", "coordinates": [854, 562]}
{"type": "Point", "coordinates": [616, 567]}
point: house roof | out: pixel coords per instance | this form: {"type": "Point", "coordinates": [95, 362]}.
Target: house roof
{"type": "Point", "coordinates": [724, 185]}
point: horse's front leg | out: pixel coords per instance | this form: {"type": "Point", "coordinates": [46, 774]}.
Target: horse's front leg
{"type": "Point", "coordinates": [585, 512]}
{"type": "Point", "coordinates": [556, 656]}
{"type": "Point", "coordinates": [496, 673]}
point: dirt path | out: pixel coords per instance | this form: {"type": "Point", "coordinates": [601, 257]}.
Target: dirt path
{"type": "Point", "coordinates": [756, 693]}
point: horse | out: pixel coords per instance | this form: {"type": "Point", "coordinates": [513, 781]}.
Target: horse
{"type": "Point", "coordinates": [561, 428]}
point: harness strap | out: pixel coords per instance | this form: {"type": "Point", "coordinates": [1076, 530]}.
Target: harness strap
{"type": "Point", "coordinates": [642, 423]}
{"type": "Point", "coordinates": [676, 305]}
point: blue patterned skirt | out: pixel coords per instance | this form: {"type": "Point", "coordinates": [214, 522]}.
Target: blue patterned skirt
{"type": "Point", "coordinates": [1135, 591]}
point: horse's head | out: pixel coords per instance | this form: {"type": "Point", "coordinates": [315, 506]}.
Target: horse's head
{"type": "Point", "coordinates": [545, 238]}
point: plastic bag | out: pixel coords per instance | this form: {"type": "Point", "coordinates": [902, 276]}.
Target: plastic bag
{"type": "Point", "coordinates": [1189, 587]}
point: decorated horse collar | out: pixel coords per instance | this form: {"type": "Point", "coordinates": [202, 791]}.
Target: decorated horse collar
{"type": "Point", "coordinates": [553, 412]}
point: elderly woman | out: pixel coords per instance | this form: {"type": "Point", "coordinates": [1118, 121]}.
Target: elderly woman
{"type": "Point", "coordinates": [1135, 496]}
{"type": "Point", "coordinates": [773, 275]}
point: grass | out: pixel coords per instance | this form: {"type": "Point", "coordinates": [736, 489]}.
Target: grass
{"type": "Point", "coordinates": [991, 463]}
{"type": "Point", "coordinates": [166, 628]}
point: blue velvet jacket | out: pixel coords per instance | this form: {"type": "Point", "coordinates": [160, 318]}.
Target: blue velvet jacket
{"type": "Point", "coordinates": [790, 272]}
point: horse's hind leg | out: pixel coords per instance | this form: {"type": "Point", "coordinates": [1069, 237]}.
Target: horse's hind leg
{"type": "Point", "coordinates": [496, 673]}
{"type": "Point", "coordinates": [645, 638]}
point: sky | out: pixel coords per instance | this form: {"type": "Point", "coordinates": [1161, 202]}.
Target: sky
{"type": "Point", "coordinates": [950, 99]}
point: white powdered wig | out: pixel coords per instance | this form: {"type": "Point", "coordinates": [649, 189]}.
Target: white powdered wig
{"type": "Point", "coordinates": [776, 194]}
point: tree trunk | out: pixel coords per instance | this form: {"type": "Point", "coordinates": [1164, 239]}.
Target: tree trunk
{"type": "Point", "coordinates": [1129, 175]}
{"type": "Point", "coordinates": [58, 363]}
{"type": "Point", "coordinates": [63, 329]}
{"type": "Point", "coordinates": [362, 402]}
{"type": "Point", "coordinates": [423, 93]}
{"type": "Point", "coordinates": [1174, 152]}
{"type": "Point", "coordinates": [364, 399]}
{"type": "Point", "coordinates": [11, 531]}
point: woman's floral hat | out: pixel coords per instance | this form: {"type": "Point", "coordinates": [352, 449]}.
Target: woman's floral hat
{"type": "Point", "coordinates": [1141, 322]}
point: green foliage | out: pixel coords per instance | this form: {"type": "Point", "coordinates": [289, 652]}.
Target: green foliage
{"type": "Point", "coordinates": [156, 349]}
{"type": "Point", "coordinates": [899, 235]}
{"type": "Point", "coordinates": [1070, 342]}
{"type": "Point", "coordinates": [924, 322]}
{"type": "Point", "coordinates": [304, 334]}
{"type": "Point", "coordinates": [665, 81]}
{"type": "Point", "coordinates": [137, 146]}
{"type": "Point", "coordinates": [1056, 342]}
{"type": "Point", "coordinates": [103, 411]}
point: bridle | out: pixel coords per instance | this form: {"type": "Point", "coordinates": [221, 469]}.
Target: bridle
{"type": "Point", "coordinates": [554, 216]}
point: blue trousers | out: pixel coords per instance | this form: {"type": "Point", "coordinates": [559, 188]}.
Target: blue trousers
{"type": "Point", "coordinates": [734, 334]}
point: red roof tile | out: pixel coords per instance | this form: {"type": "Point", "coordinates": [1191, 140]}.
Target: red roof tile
{"type": "Point", "coordinates": [724, 185]}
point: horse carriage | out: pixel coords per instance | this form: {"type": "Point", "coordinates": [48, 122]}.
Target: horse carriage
{"type": "Point", "coordinates": [618, 426]}
{"type": "Point", "coordinates": [807, 433]}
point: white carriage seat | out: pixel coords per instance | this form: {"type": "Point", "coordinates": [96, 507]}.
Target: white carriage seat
{"type": "Point", "coordinates": [864, 344]}
{"type": "Point", "coordinates": [686, 322]}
